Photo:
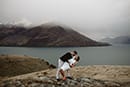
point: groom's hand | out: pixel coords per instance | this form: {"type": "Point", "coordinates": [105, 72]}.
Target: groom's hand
{"type": "Point", "coordinates": [72, 65]}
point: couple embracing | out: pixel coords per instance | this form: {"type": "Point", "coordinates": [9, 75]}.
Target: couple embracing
{"type": "Point", "coordinates": [66, 62]}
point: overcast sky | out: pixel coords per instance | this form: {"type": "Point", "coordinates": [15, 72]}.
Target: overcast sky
{"type": "Point", "coordinates": [94, 18]}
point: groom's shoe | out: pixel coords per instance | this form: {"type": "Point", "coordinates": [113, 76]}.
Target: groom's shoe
{"type": "Point", "coordinates": [69, 77]}
{"type": "Point", "coordinates": [58, 79]}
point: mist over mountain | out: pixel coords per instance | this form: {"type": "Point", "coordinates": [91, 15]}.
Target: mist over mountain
{"type": "Point", "coordinates": [118, 40]}
{"type": "Point", "coordinates": [44, 35]}
{"type": "Point", "coordinates": [23, 22]}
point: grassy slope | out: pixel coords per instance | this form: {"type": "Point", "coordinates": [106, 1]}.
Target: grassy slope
{"type": "Point", "coordinates": [12, 65]}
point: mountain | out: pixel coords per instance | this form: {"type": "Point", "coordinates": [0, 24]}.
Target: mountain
{"type": "Point", "coordinates": [118, 40]}
{"type": "Point", "coordinates": [44, 35]}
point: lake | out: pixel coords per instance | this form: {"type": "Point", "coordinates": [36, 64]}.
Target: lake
{"type": "Point", "coordinates": [108, 55]}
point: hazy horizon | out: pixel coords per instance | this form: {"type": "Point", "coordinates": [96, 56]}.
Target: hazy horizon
{"type": "Point", "coordinates": [96, 19]}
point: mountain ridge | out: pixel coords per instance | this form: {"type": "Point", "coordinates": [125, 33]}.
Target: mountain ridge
{"type": "Point", "coordinates": [118, 40]}
{"type": "Point", "coordinates": [45, 35]}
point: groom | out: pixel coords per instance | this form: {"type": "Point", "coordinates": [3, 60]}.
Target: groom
{"type": "Point", "coordinates": [64, 59]}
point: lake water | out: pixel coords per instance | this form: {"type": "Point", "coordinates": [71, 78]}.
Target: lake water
{"type": "Point", "coordinates": [115, 55]}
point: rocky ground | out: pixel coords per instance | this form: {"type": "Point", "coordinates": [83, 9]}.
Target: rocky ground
{"type": "Point", "coordinates": [44, 81]}
{"type": "Point", "coordinates": [83, 76]}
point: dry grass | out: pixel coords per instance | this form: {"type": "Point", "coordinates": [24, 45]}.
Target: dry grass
{"type": "Point", "coordinates": [12, 65]}
{"type": "Point", "coordinates": [101, 72]}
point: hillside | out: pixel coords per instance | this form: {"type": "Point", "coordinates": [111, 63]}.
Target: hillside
{"type": "Point", "coordinates": [44, 35]}
{"type": "Point", "coordinates": [26, 71]}
{"type": "Point", "coordinates": [118, 40]}
{"type": "Point", "coordinates": [83, 76]}
{"type": "Point", "coordinates": [12, 65]}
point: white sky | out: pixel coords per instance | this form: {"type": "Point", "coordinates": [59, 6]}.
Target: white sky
{"type": "Point", "coordinates": [94, 18]}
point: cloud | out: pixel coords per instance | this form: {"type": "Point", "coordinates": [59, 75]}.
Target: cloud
{"type": "Point", "coordinates": [23, 22]}
{"type": "Point", "coordinates": [96, 18]}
